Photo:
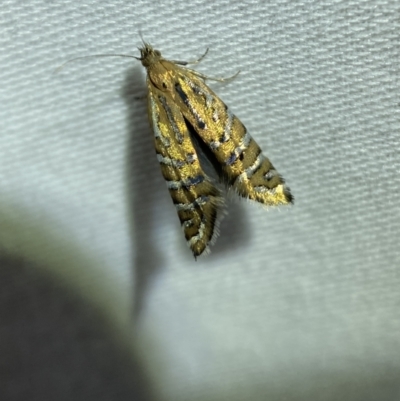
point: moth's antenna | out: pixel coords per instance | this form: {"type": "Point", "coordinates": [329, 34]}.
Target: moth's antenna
{"type": "Point", "coordinates": [58, 69]}
{"type": "Point", "coordinates": [141, 37]}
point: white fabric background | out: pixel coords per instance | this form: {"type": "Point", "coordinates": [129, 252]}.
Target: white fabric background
{"type": "Point", "coordinates": [298, 303]}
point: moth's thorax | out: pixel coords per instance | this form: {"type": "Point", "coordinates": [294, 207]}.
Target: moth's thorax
{"type": "Point", "coordinates": [158, 69]}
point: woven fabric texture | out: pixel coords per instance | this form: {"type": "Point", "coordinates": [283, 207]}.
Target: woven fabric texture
{"type": "Point", "coordinates": [298, 303]}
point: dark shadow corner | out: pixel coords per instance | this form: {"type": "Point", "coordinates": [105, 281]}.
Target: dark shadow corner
{"type": "Point", "coordinates": [56, 346]}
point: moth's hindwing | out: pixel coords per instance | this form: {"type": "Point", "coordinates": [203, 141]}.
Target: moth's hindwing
{"type": "Point", "coordinates": [196, 199]}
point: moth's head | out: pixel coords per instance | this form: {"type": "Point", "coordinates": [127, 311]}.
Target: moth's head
{"type": "Point", "coordinates": [148, 55]}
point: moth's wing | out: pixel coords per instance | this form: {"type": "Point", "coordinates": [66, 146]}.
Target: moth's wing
{"type": "Point", "coordinates": [196, 198]}
{"type": "Point", "coordinates": [242, 162]}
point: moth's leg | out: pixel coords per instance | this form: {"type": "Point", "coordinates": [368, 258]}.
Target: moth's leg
{"type": "Point", "coordinates": [192, 61]}
{"type": "Point", "coordinates": [227, 79]}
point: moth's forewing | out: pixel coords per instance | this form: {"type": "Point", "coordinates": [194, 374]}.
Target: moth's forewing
{"type": "Point", "coordinates": [178, 96]}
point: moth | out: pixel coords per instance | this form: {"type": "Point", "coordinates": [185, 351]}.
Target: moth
{"type": "Point", "coordinates": [182, 109]}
